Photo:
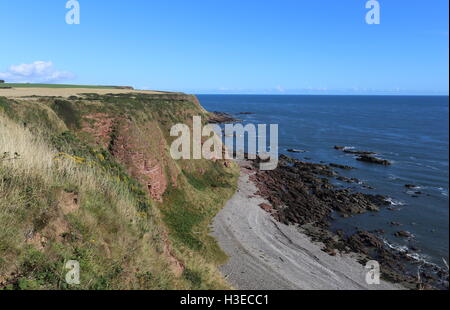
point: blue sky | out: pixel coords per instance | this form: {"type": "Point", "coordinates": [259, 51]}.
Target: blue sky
{"type": "Point", "coordinates": [231, 46]}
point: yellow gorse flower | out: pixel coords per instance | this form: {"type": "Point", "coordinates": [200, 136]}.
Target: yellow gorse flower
{"type": "Point", "coordinates": [77, 159]}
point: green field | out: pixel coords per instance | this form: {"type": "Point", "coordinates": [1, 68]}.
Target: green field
{"type": "Point", "coordinates": [29, 85]}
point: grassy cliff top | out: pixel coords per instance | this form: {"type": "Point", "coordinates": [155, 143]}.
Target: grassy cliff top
{"type": "Point", "coordinates": [15, 90]}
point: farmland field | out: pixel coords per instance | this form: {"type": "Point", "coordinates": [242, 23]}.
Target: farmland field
{"type": "Point", "coordinates": [30, 85]}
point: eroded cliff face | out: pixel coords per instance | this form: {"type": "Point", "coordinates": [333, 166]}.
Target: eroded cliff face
{"type": "Point", "coordinates": [142, 147]}
{"type": "Point", "coordinates": [135, 147]}
{"type": "Point", "coordinates": [100, 127]}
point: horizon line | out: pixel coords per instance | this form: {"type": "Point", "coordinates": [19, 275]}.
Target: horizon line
{"type": "Point", "coordinates": [274, 94]}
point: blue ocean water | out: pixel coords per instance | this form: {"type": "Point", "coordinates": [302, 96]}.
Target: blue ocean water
{"type": "Point", "coordinates": [410, 131]}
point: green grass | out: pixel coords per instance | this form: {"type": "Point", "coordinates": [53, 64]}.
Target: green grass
{"type": "Point", "coordinates": [32, 85]}
{"type": "Point", "coordinates": [119, 234]}
{"type": "Point", "coordinates": [66, 111]}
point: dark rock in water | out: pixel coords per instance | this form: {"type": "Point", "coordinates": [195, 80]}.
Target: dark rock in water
{"type": "Point", "coordinates": [301, 193]}
{"type": "Point", "coordinates": [246, 113]}
{"type": "Point", "coordinates": [338, 147]}
{"type": "Point", "coordinates": [220, 118]}
{"type": "Point", "coordinates": [395, 224]}
{"type": "Point", "coordinates": [368, 186]}
{"type": "Point", "coordinates": [379, 231]}
{"type": "Point", "coordinates": [356, 152]}
{"type": "Point", "coordinates": [411, 186]}
{"type": "Point", "coordinates": [348, 180]}
{"type": "Point", "coordinates": [374, 160]}
{"type": "Point", "coordinates": [403, 234]}
{"type": "Point", "coordinates": [296, 151]}
{"type": "Point", "coordinates": [344, 167]}
{"type": "Point", "coordinates": [340, 233]}
{"type": "Point", "coordinates": [363, 241]}
{"type": "Point", "coordinates": [393, 262]}
{"type": "Point", "coordinates": [343, 179]}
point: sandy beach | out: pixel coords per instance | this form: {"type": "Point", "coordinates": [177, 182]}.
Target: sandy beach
{"type": "Point", "coordinates": [266, 254]}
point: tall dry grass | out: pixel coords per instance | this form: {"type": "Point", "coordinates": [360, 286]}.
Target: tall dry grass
{"type": "Point", "coordinates": [34, 156]}
{"type": "Point", "coordinates": [29, 155]}
{"type": "Point", "coordinates": [32, 177]}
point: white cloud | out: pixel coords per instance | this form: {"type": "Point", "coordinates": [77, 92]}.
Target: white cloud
{"type": "Point", "coordinates": [36, 72]}
{"type": "Point", "coordinates": [280, 89]}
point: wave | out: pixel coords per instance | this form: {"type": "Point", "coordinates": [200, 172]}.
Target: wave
{"type": "Point", "coordinates": [394, 202]}
{"type": "Point", "coordinates": [393, 177]}
{"type": "Point", "coordinates": [417, 257]}
{"type": "Point", "coordinates": [443, 191]}
{"type": "Point", "coordinates": [412, 192]}
{"type": "Point", "coordinates": [348, 148]}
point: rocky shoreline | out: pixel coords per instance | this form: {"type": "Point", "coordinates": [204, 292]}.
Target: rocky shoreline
{"type": "Point", "coordinates": [302, 193]}
{"type": "Point", "coordinates": [217, 117]}
{"type": "Point", "coordinates": [265, 254]}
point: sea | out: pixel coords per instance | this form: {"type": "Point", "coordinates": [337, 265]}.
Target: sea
{"type": "Point", "coordinates": [410, 131]}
